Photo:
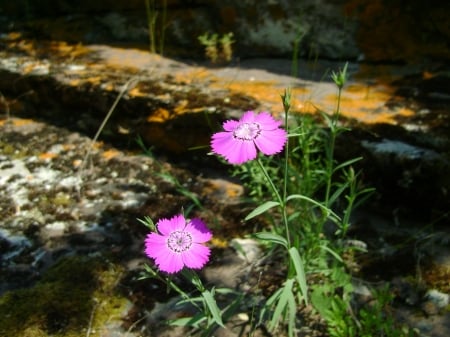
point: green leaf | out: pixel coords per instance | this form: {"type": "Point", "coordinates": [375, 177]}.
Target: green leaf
{"type": "Point", "coordinates": [338, 193]}
{"type": "Point", "coordinates": [347, 163]}
{"type": "Point", "coordinates": [300, 272]}
{"type": "Point", "coordinates": [148, 222]}
{"type": "Point", "coordinates": [213, 308]}
{"type": "Point", "coordinates": [274, 238]}
{"type": "Point", "coordinates": [292, 313]}
{"type": "Point", "coordinates": [332, 252]}
{"type": "Point", "coordinates": [321, 299]}
{"type": "Point", "coordinates": [285, 294]}
{"type": "Point", "coordinates": [314, 202]}
{"type": "Point", "coordinates": [193, 321]}
{"type": "Point", "coordinates": [261, 209]}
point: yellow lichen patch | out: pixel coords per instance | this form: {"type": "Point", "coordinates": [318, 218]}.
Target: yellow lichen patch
{"type": "Point", "coordinates": [98, 145]}
{"type": "Point", "coordinates": [366, 104]}
{"type": "Point", "coordinates": [55, 48]}
{"type": "Point", "coordinates": [16, 121]}
{"type": "Point", "coordinates": [219, 242]}
{"type": "Point", "coordinates": [194, 75]}
{"type": "Point", "coordinates": [76, 163]}
{"type": "Point", "coordinates": [134, 59]}
{"type": "Point", "coordinates": [183, 107]}
{"type": "Point", "coordinates": [306, 106]}
{"type": "Point", "coordinates": [95, 80]}
{"type": "Point", "coordinates": [160, 115]}
{"type": "Point", "coordinates": [75, 82]}
{"type": "Point", "coordinates": [47, 156]}
{"type": "Point", "coordinates": [222, 189]}
{"type": "Point", "coordinates": [268, 93]}
{"type": "Point", "coordinates": [22, 122]}
{"type": "Point", "coordinates": [109, 154]}
{"type": "Point", "coordinates": [12, 36]}
{"type": "Point", "coordinates": [63, 49]}
{"type": "Point", "coordinates": [136, 92]}
{"type": "Point", "coordinates": [437, 277]}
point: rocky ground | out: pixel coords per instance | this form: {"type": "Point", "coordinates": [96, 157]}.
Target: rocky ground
{"type": "Point", "coordinates": [71, 244]}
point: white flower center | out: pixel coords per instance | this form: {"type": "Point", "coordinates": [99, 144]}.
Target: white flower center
{"type": "Point", "coordinates": [179, 241]}
{"type": "Point", "coordinates": [247, 131]}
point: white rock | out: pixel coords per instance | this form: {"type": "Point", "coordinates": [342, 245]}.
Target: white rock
{"type": "Point", "coordinates": [441, 300]}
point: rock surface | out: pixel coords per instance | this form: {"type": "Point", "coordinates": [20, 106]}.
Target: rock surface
{"type": "Point", "coordinates": [339, 30]}
{"type": "Point", "coordinates": [58, 203]}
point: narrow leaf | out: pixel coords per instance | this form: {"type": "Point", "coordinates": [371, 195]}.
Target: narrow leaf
{"type": "Point", "coordinates": [347, 163]}
{"type": "Point", "coordinates": [314, 202]}
{"type": "Point", "coordinates": [274, 238]}
{"type": "Point", "coordinates": [282, 302]}
{"type": "Point", "coordinates": [193, 321]}
{"type": "Point", "coordinates": [213, 308]}
{"type": "Point", "coordinates": [261, 209]}
{"type": "Point", "coordinates": [300, 272]}
{"type": "Point", "coordinates": [332, 252]}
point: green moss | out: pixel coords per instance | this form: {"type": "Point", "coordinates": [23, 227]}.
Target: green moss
{"type": "Point", "coordinates": [62, 302]}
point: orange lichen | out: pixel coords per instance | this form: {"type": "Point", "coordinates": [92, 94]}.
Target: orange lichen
{"type": "Point", "coordinates": [160, 115]}
{"type": "Point", "coordinates": [366, 104]}
{"type": "Point", "coordinates": [268, 93]}
{"type": "Point", "coordinates": [219, 242]}
{"type": "Point", "coordinates": [136, 92]}
{"type": "Point", "coordinates": [109, 154]}
{"type": "Point", "coordinates": [21, 122]}
{"type": "Point", "coordinates": [130, 58]}
{"type": "Point", "coordinates": [77, 163]}
{"type": "Point", "coordinates": [193, 76]}
{"type": "Point", "coordinates": [221, 189]}
{"type": "Point", "coordinates": [47, 156]}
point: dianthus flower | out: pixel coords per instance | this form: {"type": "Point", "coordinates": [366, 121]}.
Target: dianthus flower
{"type": "Point", "coordinates": [241, 139]}
{"type": "Point", "coordinates": [179, 244]}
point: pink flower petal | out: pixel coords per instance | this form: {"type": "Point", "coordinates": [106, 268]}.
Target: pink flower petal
{"type": "Point", "coordinates": [240, 152]}
{"type": "Point", "coordinates": [266, 121]}
{"type": "Point", "coordinates": [271, 142]}
{"type": "Point", "coordinates": [200, 233]}
{"type": "Point", "coordinates": [180, 244]}
{"type": "Point", "coordinates": [247, 117]}
{"type": "Point", "coordinates": [155, 244]}
{"type": "Point", "coordinates": [166, 226]}
{"type": "Point", "coordinates": [197, 257]}
{"type": "Point", "coordinates": [241, 139]}
{"type": "Point", "coordinates": [230, 125]}
{"type": "Point", "coordinates": [170, 263]}
{"type": "Point", "coordinates": [235, 151]}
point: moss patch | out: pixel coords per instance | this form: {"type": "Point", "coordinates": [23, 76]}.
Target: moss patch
{"type": "Point", "coordinates": [62, 302]}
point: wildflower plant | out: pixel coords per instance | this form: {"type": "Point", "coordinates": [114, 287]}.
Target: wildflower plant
{"type": "Point", "coordinates": [178, 246]}
{"type": "Point", "coordinates": [241, 139]}
{"type": "Point", "coordinates": [297, 184]}
{"type": "Point", "coordinates": [179, 243]}
{"type": "Point", "coordinates": [300, 195]}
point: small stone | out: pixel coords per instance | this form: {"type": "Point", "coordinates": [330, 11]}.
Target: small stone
{"type": "Point", "coordinates": [440, 299]}
{"type": "Point", "coordinates": [246, 249]}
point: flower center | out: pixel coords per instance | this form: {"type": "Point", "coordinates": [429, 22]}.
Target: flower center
{"type": "Point", "coordinates": [179, 241]}
{"type": "Point", "coordinates": [247, 131]}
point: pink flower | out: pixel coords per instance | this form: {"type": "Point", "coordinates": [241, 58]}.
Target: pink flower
{"type": "Point", "coordinates": [241, 138]}
{"type": "Point", "coordinates": [180, 244]}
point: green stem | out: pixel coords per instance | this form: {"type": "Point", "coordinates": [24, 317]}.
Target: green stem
{"type": "Point", "coordinates": [330, 152]}
{"type": "Point", "coordinates": [280, 200]}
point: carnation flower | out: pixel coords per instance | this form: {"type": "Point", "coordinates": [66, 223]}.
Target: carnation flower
{"type": "Point", "coordinates": [179, 244]}
{"type": "Point", "coordinates": [241, 139]}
